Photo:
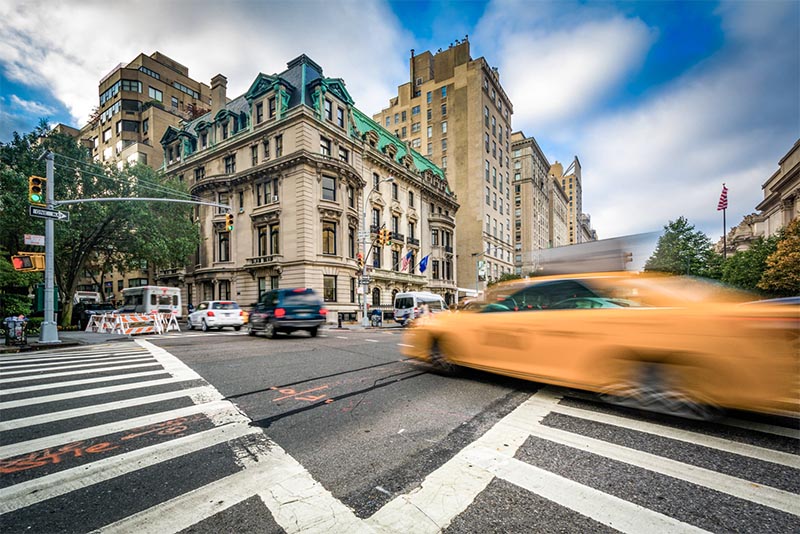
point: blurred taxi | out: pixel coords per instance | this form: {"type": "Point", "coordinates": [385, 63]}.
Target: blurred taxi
{"type": "Point", "coordinates": [663, 343]}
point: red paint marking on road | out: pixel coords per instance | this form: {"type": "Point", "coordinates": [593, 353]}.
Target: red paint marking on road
{"type": "Point", "coordinates": [291, 393]}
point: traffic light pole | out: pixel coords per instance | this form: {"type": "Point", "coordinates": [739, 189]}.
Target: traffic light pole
{"type": "Point", "coordinates": [49, 332]}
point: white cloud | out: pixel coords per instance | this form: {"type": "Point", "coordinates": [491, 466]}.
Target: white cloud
{"type": "Point", "coordinates": [28, 106]}
{"type": "Point", "coordinates": [68, 47]}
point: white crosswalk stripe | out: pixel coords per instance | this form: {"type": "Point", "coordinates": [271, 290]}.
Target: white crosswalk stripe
{"type": "Point", "coordinates": [297, 502]}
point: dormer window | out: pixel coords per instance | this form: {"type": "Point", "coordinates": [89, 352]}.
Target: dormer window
{"type": "Point", "coordinates": [225, 131]}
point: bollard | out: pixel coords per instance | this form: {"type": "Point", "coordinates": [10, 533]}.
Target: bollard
{"type": "Point", "coordinates": [339, 317]}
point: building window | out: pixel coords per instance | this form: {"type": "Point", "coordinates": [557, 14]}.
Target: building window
{"type": "Point", "coordinates": [353, 290]}
{"type": "Point", "coordinates": [278, 146]}
{"type": "Point", "coordinates": [430, 132]}
{"type": "Point", "coordinates": [411, 228]}
{"type": "Point", "coordinates": [429, 113]}
{"type": "Point", "coordinates": [263, 241]}
{"type": "Point", "coordinates": [224, 289]}
{"type": "Point", "coordinates": [225, 131]}
{"type": "Point", "coordinates": [329, 188]}
{"type": "Point", "coordinates": [444, 162]}
{"type": "Point", "coordinates": [324, 146]}
{"type": "Point", "coordinates": [204, 140]}
{"type": "Point", "coordinates": [415, 111]}
{"type": "Point", "coordinates": [274, 238]}
{"type": "Point", "coordinates": [155, 94]}
{"type": "Point", "coordinates": [410, 199]}
{"type": "Point", "coordinates": [444, 144]}
{"type": "Point", "coordinates": [388, 121]}
{"type": "Point", "coordinates": [224, 249]}
{"type": "Point", "coordinates": [376, 217]}
{"type": "Point", "coordinates": [444, 127]}
{"type": "Point", "coordinates": [344, 155]}
{"type": "Point", "coordinates": [377, 252]}
{"type": "Point", "coordinates": [328, 110]}
{"type": "Point", "coordinates": [340, 117]}
{"type": "Point", "coordinates": [174, 101]}
{"type": "Point", "coordinates": [444, 110]}
{"type": "Point", "coordinates": [428, 97]}
{"type": "Point", "coordinates": [230, 164]}
{"type": "Point", "coordinates": [329, 287]}
{"type": "Point", "coordinates": [351, 196]}
{"type": "Point", "coordinates": [376, 297]}
{"type": "Point", "coordinates": [488, 195]}
{"type": "Point", "coordinates": [254, 155]}
{"type": "Point", "coordinates": [435, 237]}
{"type": "Point", "coordinates": [259, 112]}
{"type": "Point", "coordinates": [199, 173]}
{"type": "Point", "coordinates": [435, 269]}
{"type": "Point", "coordinates": [272, 109]}
{"type": "Point", "coordinates": [274, 281]}
{"type": "Point", "coordinates": [430, 149]}
{"type": "Point", "coordinates": [394, 191]}
{"type": "Point", "coordinates": [351, 242]}
{"type": "Point", "coordinates": [328, 237]}
{"type": "Point", "coordinates": [262, 286]}
{"type": "Point", "coordinates": [415, 127]}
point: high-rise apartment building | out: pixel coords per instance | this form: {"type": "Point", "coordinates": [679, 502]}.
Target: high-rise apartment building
{"type": "Point", "coordinates": [309, 179]}
{"type": "Point", "coordinates": [571, 183]}
{"type": "Point", "coordinates": [138, 101]}
{"type": "Point", "coordinates": [532, 189]}
{"type": "Point", "coordinates": [455, 111]}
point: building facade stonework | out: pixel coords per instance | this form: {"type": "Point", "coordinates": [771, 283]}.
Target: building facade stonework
{"type": "Point", "coordinates": [455, 111]}
{"type": "Point", "coordinates": [308, 178]}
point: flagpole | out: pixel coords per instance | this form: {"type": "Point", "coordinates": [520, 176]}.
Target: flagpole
{"type": "Point", "coordinates": [724, 236]}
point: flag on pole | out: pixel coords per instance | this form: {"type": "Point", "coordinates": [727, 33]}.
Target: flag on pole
{"type": "Point", "coordinates": [723, 199]}
{"type": "Point", "coordinates": [406, 260]}
{"type": "Point", "coordinates": [423, 264]}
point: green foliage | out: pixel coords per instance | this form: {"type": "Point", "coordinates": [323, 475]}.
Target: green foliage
{"type": "Point", "coordinates": [684, 250]}
{"type": "Point", "coordinates": [744, 269]}
{"type": "Point", "coordinates": [110, 234]}
{"type": "Point", "coordinates": [782, 274]}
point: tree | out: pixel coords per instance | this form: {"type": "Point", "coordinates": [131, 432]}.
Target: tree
{"type": "Point", "coordinates": [504, 278]}
{"type": "Point", "coordinates": [745, 269]}
{"type": "Point", "coordinates": [684, 250]}
{"type": "Point", "coordinates": [782, 275]}
{"type": "Point", "coordinates": [131, 232]}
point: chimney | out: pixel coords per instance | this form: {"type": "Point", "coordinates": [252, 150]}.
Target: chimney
{"type": "Point", "coordinates": [219, 84]}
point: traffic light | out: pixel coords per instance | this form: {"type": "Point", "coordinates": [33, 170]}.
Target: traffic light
{"type": "Point", "coordinates": [28, 262]}
{"type": "Point", "coordinates": [360, 260]}
{"type": "Point", "coordinates": [628, 257]}
{"type": "Point", "coordinates": [385, 236]}
{"type": "Point", "coordinates": [229, 221]}
{"type": "Point", "coordinates": [37, 190]}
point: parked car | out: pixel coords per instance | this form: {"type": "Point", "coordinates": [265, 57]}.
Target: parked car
{"type": "Point", "coordinates": [287, 310]}
{"type": "Point", "coordinates": [216, 314]}
{"type": "Point", "coordinates": [663, 343]}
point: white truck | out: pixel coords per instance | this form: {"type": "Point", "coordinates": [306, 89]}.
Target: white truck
{"type": "Point", "coordinates": [146, 299]}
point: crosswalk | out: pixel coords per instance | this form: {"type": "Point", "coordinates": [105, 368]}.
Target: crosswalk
{"type": "Point", "coordinates": [81, 427]}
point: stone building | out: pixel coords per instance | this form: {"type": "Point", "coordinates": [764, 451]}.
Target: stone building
{"type": "Point", "coordinates": [455, 111]}
{"type": "Point", "coordinates": [532, 188]}
{"type": "Point", "coordinates": [309, 179]}
{"type": "Point", "coordinates": [780, 206]}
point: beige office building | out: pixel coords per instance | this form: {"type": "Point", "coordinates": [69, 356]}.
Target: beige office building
{"type": "Point", "coordinates": [455, 111]}
{"type": "Point", "coordinates": [532, 189]}
{"type": "Point", "coordinates": [309, 179]}
{"type": "Point", "coordinates": [578, 223]}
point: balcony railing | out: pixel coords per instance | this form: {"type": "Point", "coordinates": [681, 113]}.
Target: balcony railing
{"type": "Point", "coordinates": [448, 248]}
{"type": "Point", "coordinates": [397, 237]}
{"type": "Point", "coordinates": [263, 260]}
{"type": "Point", "coordinates": [413, 241]}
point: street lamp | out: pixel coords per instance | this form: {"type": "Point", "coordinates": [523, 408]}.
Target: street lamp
{"type": "Point", "coordinates": [364, 241]}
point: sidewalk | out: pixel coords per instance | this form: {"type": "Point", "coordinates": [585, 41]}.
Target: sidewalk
{"type": "Point", "coordinates": [67, 339]}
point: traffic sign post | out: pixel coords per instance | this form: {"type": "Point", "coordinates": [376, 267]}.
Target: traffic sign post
{"type": "Point", "coordinates": [44, 213]}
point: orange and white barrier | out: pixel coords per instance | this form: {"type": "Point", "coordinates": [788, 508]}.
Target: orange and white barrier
{"type": "Point", "coordinates": [133, 323]}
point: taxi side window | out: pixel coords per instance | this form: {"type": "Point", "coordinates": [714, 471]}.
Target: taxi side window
{"type": "Point", "coordinates": [545, 295]}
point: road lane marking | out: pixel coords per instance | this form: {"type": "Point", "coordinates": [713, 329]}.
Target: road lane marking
{"type": "Point", "coordinates": [342, 337]}
{"type": "Point", "coordinates": [63, 482]}
{"type": "Point", "coordinates": [686, 436]}
{"type": "Point", "coordinates": [404, 345]}
{"type": "Point", "coordinates": [204, 391]}
{"type": "Point", "coordinates": [84, 393]}
{"type": "Point", "coordinates": [72, 365]}
{"type": "Point", "coordinates": [68, 359]}
{"type": "Point", "coordinates": [23, 447]}
{"type": "Point", "coordinates": [762, 427]}
{"type": "Point", "coordinates": [297, 502]}
{"type": "Point", "coordinates": [621, 515]}
{"type": "Point", "coordinates": [373, 340]}
{"type": "Point", "coordinates": [74, 373]}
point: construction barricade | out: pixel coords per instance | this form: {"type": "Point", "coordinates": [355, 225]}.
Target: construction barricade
{"type": "Point", "coordinates": [133, 323]}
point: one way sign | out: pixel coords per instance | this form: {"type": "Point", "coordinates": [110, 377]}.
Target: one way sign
{"type": "Point", "coordinates": [44, 213]}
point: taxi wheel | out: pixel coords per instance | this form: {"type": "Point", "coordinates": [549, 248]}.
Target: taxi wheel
{"type": "Point", "coordinates": [653, 391]}
{"type": "Point", "coordinates": [439, 361]}
{"type": "Point", "coordinates": [204, 326]}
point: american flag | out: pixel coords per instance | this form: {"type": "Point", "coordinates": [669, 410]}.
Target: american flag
{"type": "Point", "coordinates": [406, 260]}
{"type": "Point", "coordinates": [723, 199]}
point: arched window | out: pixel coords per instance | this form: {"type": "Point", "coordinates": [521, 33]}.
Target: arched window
{"type": "Point", "coordinates": [376, 297]}
{"type": "Point", "coordinates": [394, 293]}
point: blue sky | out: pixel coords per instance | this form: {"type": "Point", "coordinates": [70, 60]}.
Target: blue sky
{"type": "Point", "coordinates": [661, 101]}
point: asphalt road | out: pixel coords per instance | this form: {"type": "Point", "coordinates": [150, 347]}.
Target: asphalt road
{"type": "Point", "coordinates": [223, 432]}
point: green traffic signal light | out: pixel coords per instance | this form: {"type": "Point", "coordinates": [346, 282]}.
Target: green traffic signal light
{"type": "Point", "coordinates": [36, 188]}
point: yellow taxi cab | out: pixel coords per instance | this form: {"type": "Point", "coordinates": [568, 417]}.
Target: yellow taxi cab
{"type": "Point", "coordinates": [665, 343]}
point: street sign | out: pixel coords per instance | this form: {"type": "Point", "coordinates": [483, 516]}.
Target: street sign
{"type": "Point", "coordinates": [32, 239]}
{"type": "Point", "coordinates": [44, 213]}
{"type": "Point", "coordinates": [365, 280]}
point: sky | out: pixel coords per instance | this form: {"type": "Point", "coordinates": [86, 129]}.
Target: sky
{"type": "Point", "coordinates": [662, 102]}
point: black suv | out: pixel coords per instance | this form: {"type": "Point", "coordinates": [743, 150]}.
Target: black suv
{"type": "Point", "coordinates": [287, 310]}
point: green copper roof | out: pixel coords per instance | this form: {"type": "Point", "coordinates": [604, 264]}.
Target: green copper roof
{"type": "Point", "coordinates": [364, 124]}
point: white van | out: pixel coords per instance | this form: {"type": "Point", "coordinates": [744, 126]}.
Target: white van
{"type": "Point", "coordinates": [408, 306]}
{"type": "Point", "coordinates": [146, 299]}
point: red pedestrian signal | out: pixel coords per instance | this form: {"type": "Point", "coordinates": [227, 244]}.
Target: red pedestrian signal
{"type": "Point", "coordinates": [28, 262]}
